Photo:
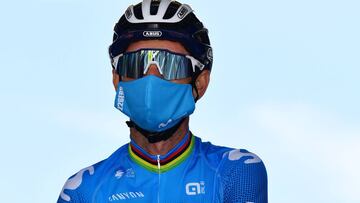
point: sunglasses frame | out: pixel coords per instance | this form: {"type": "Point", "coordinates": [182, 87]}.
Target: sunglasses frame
{"type": "Point", "coordinates": [194, 62]}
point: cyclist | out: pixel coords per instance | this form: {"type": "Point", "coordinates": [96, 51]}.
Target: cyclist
{"type": "Point", "coordinates": [162, 58]}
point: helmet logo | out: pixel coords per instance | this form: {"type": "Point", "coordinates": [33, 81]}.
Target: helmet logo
{"type": "Point", "coordinates": [182, 12]}
{"type": "Point", "coordinates": [210, 54]}
{"type": "Point", "coordinates": [128, 13]}
{"type": "Point", "coordinates": [152, 33]}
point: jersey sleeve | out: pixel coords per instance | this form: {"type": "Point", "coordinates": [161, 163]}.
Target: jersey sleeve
{"type": "Point", "coordinates": [243, 178]}
{"type": "Point", "coordinates": [77, 187]}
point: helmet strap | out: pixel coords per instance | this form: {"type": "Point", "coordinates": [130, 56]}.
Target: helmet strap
{"type": "Point", "coordinates": [154, 137]}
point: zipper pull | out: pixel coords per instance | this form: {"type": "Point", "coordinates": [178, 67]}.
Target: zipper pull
{"type": "Point", "coordinates": [158, 161]}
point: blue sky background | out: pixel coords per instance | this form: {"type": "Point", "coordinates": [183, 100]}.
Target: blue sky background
{"type": "Point", "coordinates": [285, 85]}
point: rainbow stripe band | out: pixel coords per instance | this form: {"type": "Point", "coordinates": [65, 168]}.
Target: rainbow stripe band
{"type": "Point", "coordinates": [172, 161]}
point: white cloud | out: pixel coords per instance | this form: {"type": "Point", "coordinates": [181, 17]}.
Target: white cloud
{"type": "Point", "coordinates": [318, 139]}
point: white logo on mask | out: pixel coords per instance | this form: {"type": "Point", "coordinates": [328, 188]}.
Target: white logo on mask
{"type": "Point", "coordinates": [163, 125]}
{"type": "Point", "coordinates": [121, 98]}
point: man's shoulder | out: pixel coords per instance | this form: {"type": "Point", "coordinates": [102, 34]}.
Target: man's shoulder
{"type": "Point", "coordinates": [86, 180]}
{"type": "Point", "coordinates": [212, 152]}
{"type": "Point", "coordinates": [77, 185]}
{"type": "Point", "coordinates": [242, 162]}
{"type": "Point", "coordinates": [227, 155]}
{"type": "Point", "coordinates": [243, 172]}
{"type": "Point", "coordinates": [105, 164]}
{"type": "Point", "coordinates": [241, 156]}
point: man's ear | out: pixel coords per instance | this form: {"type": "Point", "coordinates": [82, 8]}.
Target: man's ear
{"type": "Point", "coordinates": [202, 82]}
{"type": "Point", "coordinates": [116, 79]}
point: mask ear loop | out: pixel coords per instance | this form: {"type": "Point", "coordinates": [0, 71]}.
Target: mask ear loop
{"type": "Point", "coordinates": [193, 84]}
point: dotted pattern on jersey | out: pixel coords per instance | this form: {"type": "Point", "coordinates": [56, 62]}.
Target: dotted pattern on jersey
{"type": "Point", "coordinates": [244, 182]}
{"type": "Point", "coordinates": [76, 197]}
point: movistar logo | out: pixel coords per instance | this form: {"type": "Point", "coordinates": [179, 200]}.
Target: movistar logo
{"type": "Point", "coordinates": [152, 33]}
{"type": "Point", "coordinates": [237, 154]}
{"type": "Point", "coordinates": [163, 125]}
{"type": "Point", "coordinates": [75, 182]}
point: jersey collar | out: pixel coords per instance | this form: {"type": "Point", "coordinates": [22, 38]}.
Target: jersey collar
{"type": "Point", "coordinates": [163, 163]}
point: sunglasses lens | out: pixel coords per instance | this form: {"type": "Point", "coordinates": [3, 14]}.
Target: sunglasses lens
{"type": "Point", "coordinates": [171, 65]}
{"type": "Point", "coordinates": [178, 67]}
{"type": "Point", "coordinates": [131, 66]}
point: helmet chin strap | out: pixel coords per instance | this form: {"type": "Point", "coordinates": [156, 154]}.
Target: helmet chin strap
{"type": "Point", "coordinates": [154, 137]}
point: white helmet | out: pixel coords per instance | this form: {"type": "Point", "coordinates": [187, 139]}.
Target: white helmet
{"type": "Point", "coordinates": [163, 19]}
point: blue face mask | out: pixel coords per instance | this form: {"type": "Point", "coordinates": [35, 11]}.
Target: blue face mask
{"type": "Point", "coordinates": [154, 104]}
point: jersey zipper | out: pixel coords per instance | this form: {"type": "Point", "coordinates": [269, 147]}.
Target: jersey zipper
{"type": "Point", "coordinates": [159, 175]}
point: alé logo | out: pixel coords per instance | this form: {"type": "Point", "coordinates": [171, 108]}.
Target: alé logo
{"type": "Point", "coordinates": [195, 188]}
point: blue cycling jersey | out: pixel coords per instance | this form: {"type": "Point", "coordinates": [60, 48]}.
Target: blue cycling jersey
{"type": "Point", "coordinates": [193, 171]}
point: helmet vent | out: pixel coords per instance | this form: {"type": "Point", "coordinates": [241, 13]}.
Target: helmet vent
{"type": "Point", "coordinates": [154, 7]}
{"type": "Point", "coordinates": [171, 11]}
{"type": "Point", "coordinates": [137, 12]}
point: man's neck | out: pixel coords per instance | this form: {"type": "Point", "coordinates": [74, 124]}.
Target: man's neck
{"type": "Point", "coordinates": [162, 147]}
